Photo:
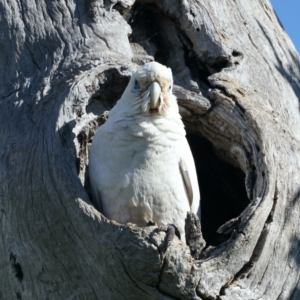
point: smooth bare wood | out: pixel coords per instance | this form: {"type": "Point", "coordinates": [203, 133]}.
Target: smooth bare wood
{"type": "Point", "coordinates": [63, 65]}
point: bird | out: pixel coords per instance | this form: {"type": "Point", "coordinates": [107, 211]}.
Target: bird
{"type": "Point", "coordinates": [141, 168]}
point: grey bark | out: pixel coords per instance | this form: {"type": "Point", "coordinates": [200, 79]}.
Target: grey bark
{"type": "Point", "coordinates": [63, 64]}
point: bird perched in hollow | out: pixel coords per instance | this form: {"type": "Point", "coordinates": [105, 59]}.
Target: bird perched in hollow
{"type": "Point", "coordinates": [141, 168]}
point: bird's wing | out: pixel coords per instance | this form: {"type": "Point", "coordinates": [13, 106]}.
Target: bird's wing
{"type": "Point", "coordinates": [186, 180]}
{"type": "Point", "coordinates": [189, 176]}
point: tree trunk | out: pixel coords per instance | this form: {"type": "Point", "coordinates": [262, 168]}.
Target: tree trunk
{"type": "Point", "coordinates": [63, 64]}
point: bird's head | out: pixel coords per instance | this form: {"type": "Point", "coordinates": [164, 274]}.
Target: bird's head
{"type": "Point", "coordinates": [150, 90]}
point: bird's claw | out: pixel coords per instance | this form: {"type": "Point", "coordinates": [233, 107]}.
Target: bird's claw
{"type": "Point", "coordinates": [171, 230]}
{"type": "Point", "coordinates": [150, 223]}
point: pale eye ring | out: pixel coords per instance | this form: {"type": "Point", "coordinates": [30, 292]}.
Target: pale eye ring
{"type": "Point", "coordinates": [136, 87]}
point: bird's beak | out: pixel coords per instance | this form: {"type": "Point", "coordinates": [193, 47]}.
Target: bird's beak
{"type": "Point", "coordinates": [155, 91]}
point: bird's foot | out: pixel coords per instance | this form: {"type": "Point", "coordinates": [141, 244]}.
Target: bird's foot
{"type": "Point", "coordinates": [150, 223]}
{"type": "Point", "coordinates": [171, 230]}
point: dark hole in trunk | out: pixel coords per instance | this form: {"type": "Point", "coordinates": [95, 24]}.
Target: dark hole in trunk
{"type": "Point", "coordinates": [222, 189]}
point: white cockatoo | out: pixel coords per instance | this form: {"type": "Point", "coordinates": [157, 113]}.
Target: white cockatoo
{"type": "Point", "coordinates": [141, 167]}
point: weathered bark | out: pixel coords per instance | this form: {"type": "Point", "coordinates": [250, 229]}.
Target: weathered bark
{"type": "Point", "coordinates": [63, 63]}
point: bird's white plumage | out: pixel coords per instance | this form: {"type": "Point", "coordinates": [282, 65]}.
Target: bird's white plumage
{"type": "Point", "coordinates": [141, 167]}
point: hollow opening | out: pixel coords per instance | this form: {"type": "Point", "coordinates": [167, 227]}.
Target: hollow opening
{"type": "Point", "coordinates": [222, 189]}
{"type": "Point", "coordinates": [146, 22]}
{"type": "Point", "coordinates": [222, 186]}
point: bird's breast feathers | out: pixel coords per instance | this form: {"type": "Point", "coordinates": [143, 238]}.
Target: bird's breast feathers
{"type": "Point", "coordinates": [139, 174]}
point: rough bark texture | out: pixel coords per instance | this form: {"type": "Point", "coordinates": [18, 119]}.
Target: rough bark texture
{"type": "Point", "coordinates": [63, 64]}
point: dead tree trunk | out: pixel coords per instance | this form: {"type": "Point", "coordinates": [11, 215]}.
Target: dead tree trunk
{"type": "Point", "coordinates": [63, 63]}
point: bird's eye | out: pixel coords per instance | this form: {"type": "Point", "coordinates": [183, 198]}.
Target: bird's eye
{"type": "Point", "coordinates": [170, 87]}
{"type": "Point", "coordinates": [136, 87]}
